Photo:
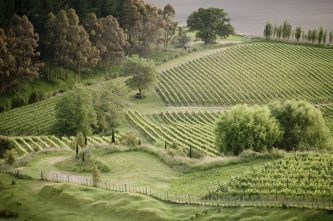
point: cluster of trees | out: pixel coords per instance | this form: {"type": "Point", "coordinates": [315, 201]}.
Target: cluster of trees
{"type": "Point", "coordinates": [77, 111]}
{"type": "Point", "coordinates": [291, 125]}
{"type": "Point", "coordinates": [286, 32]}
{"type": "Point", "coordinates": [18, 53]}
{"type": "Point", "coordinates": [79, 35]}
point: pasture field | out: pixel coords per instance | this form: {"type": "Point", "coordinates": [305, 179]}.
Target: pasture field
{"type": "Point", "coordinates": [39, 201]}
{"type": "Point", "coordinates": [254, 73]}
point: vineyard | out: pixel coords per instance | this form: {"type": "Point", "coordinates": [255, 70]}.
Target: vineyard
{"type": "Point", "coordinates": [35, 119]}
{"type": "Point", "coordinates": [327, 111]}
{"type": "Point", "coordinates": [255, 73]}
{"type": "Point", "coordinates": [30, 144]}
{"type": "Point", "coordinates": [303, 174]}
{"type": "Point", "coordinates": [187, 129]}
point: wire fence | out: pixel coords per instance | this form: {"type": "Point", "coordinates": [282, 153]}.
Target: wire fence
{"type": "Point", "coordinates": [225, 200]}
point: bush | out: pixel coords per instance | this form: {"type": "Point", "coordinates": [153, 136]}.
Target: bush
{"type": "Point", "coordinates": [5, 144]}
{"type": "Point", "coordinates": [10, 156]}
{"type": "Point", "coordinates": [18, 102]}
{"type": "Point", "coordinates": [303, 126]}
{"type": "Point", "coordinates": [247, 128]}
{"type": "Point", "coordinates": [130, 139]}
{"type": "Point", "coordinates": [96, 176]}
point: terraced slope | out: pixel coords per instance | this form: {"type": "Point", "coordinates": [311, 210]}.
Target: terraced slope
{"type": "Point", "coordinates": [255, 73]}
{"type": "Point", "coordinates": [30, 144]}
{"type": "Point", "coordinates": [195, 129]}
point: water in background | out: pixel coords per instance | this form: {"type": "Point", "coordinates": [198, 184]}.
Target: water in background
{"type": "Point", "coordinates": [250, 16]}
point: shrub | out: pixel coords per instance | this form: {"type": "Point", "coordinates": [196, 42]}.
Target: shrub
{"type": "Point", "coordinates": [10, 156]}
{"type": "Point", "coordinates": [247, 128]}
{"type": "Point", "coordinates": [96, 176]}
{"type": "Point", "coordinates": [303, 125]}
{"type": "Point", "coordinates": [129, 139]}
{"type": "Point", "coordinates": [18, 101]}
{"type": "Point", "coordinates": [6, 144]}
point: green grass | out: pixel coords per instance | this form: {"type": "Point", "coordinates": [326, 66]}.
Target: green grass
{"type": "Point", "coordinates": [255, 73]}
{"type": "Point", "coordinates": [141, 168]}
{"type": "Point", "coordinates": [46, 201]}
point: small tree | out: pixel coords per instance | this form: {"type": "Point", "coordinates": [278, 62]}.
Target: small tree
{"type": "Point", "coordinates": [96, 175]}
{"type": "Point", "coordinates": [75, 113]}
{"type": "Point", "coordinates": [144, 74]}
{"type": "Point", "coordinates": [331, 38]}
{"type": "Point", "coordinates": [320, 35]}
{"type": "Point", "coordinates": [210, 23]}
{"type": "Point", "coordinates": [298, 33]}
{"type": "Point", "coordinates": [268, 30]}
{"type": "Point", "coordinates": [286, 30]}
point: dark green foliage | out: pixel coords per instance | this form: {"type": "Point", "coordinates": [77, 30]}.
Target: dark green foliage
{"type": "Point", "coordinates": [210, 23]}
{"type": "Point", "coordinates": [75, 113]}
{"type": "Point", "coordinates": [268, 30]}
{"type": "Point", "coordinates": [245, 128]}
{"type": "Point", "coordinates": [298, 33]}
{"type": "Point", "coordinates": [10, 156]}
{"type": "Point", "coordinates": [6, 144]}
{"type": "Point", "coordinates": [302, 124]}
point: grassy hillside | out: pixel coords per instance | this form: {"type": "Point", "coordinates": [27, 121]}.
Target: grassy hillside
{"type": "Point", "coordinates": [254, 73]}
{"type": "Point", "coordinates": [35, 200]}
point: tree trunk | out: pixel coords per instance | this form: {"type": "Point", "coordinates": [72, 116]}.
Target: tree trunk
{"type": "Point", "coordinates": [113, 139]}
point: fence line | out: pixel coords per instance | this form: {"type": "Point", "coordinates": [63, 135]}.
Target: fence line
{"type": "Point", "coordinates": [227, 200]}
{"type": "Point", "coordinates": [272, 200]}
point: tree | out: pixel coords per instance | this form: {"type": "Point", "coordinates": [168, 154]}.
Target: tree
{"type": "Point", "coordinates": [144, 74]}
{"type": "Point", "coordinates": [286, 30]}
{"type": "Point", "coordinates": [106, 35]}
{"type": "Point", "coordinates": [19, 56]}
{"type": "Point", "coordinates": [210, 23]}
{"type": "Point", "coordinates": [108, 104]}
{"type": "Point", "coordinates": [314, 36]}
{"type": "Point", "coordinates": [268, 30]}
{"type": "Point", "coordinates": [75, 113]}
{"type": "Point", "coordinates": [246, 128]}
{"type": "Point", "coordinates": [70, 42]}
{"type": "Point", "coordinates": [302, 124]}
{"type": "Point", "coordinates": [320, 35]}
{"type": "Point", "coordinates": [151, 29]}
{"type": "Point", "coordinates": [331, 37]}
{"type": "Point", "coordinates": [182, 38]}
{"type": "Point", "coordinates": [298, 33]}
{"type": "Point", "coordinates": [169, 26]}
{"type": "Point", "coordinates": [325, 37]}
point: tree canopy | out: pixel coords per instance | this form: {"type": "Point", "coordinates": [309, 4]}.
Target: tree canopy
{"type": "Point", "coordinates": [210, 23]}
{"type": "Point", "coordinates": [19, 55]}
{"type": "Point", "coordinates": [143, 74]}
{"type": "Point", "coordinates": [245, 128]}
{"type": "Point", "coordinates": [75, 113]}
{"type": "Point", "coordinates": [302, 124]}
